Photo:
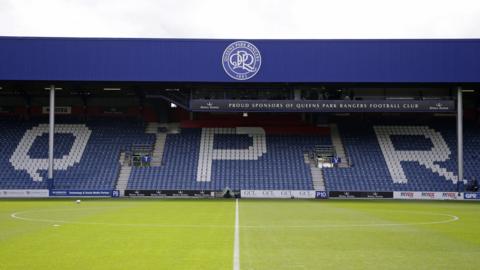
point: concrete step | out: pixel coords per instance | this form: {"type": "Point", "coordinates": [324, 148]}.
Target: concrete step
{"type": "Point", "coordinates": [160, 138]}
{"type": "Point", "coordinates": [317, 175]}
{"type": "Point", "coordinates": [123, 175]}
{"type": "Point", "coordinates": [338, 145]}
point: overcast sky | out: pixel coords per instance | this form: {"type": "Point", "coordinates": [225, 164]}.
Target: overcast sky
{"type": "Point", "coordinates": [245, 19]}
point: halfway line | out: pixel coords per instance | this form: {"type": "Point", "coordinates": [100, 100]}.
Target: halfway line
{"type": "Point", "coordinates": [236, 242]}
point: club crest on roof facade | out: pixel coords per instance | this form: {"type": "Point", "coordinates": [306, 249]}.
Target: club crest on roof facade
{"type": "Point", "coordinates": [241, 60]}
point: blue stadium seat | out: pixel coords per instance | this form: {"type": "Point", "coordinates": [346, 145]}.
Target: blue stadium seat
{"type": "Point", "coordinates": [370, 172]}
{"type": "Point", "coordinates": [281, 167]}
{"type": "Point", "coordinates": [98, 167]}
{"type": "Point", "coordinates": [279, 164]}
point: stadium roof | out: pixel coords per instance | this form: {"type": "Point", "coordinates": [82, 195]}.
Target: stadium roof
{"type": "Point", "coordinates": [200, 60]}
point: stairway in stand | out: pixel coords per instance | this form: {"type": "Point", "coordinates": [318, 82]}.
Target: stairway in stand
{"type": "Point", "coordinates": [338, 145]}
{"type": "Point", "coordinates": [317, 175]}
{"type": "Point", "coordinates": [124, 175]}
{"type": "Point", "coordinates": [160, 130]}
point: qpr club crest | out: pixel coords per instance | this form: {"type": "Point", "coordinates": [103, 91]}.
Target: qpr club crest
{"type": "Point", "coordinates": [241, 60]}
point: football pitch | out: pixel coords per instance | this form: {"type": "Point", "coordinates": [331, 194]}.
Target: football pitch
{"type": "Point", "coordinates": [250, 234]}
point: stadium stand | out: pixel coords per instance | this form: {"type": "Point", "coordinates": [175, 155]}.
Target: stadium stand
{"type": "Point", "coordinates": [237, 158]}
{"type": "Point", "coordinates": [402, 158]}
{"type": "Point", "coordinates": [382, 156]}
{"type": "Point", "coordinates": [86, 155]}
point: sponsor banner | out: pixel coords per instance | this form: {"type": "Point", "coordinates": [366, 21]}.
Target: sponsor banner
{"type": "Point", "coordinates": [24, 193]}
{"type": "Point", "coordinates": [321, 195]}
{"type": "Point", "coordinates": [58, 110]}
{"type": "Point", "coordinates": [114, 110]}
{"type": "Point", "coordinates": [471, 195]}
{"type": "Point", "coordinates": [212, 105]}
{"type": "Point", "coordinates": [427, 195]}
{"type": "Point", "coordinates": [360, 194]}
{"type": "Point", "coordinates": [170, 193]}
{"type": "Point", "coordinates": [7, 109]}
{"type": "Point", "coordinates": [278, 194]}
{"type": "Point", "coordinates": [84, 193]}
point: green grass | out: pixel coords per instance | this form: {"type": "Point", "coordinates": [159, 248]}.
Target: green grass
{"type": "Point", "coordinates": [198, 234]}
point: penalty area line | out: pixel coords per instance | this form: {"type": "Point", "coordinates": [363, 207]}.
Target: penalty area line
{"type": "Point", "coordinates": [236, 241]}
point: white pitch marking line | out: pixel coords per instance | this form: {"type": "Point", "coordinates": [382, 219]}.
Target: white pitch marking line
{"type": "Point", "coordinates": [17, 215]}
{"type": "Point", "coordinates": [236, 241]}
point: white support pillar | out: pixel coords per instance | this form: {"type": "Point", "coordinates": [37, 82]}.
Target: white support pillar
{"type": "Point", "coordinates": [51, 131]}
{"type": "Point", "coordinates": [460, 133]}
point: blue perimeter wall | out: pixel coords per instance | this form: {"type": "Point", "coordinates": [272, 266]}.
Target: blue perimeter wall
{"type": "Point", "coordinates": [190, 60]}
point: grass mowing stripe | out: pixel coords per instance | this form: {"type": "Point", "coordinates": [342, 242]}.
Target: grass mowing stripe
{"type": "Point", "coordinates": [160, 244]}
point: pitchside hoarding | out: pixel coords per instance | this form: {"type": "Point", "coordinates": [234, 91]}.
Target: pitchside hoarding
{"type": "Point", "coordinates": [321, 195]}
{"type": "Point", "coordinates": [278, 194]}
{"type": "Point", "coordinates": [471, 196]}
{"type": "Point", "coordinates": [24, 193]}
{"type": "Point", "coordinates": [170, 193]}
{"type": "Point", "coordinates": [323, 105]}
{"type": "Point", "coordinates": [427, 195]}
{"type": "Point", "coordinates": [84, 193]}
{"type": "Point", "coordinates": [360, 195]}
